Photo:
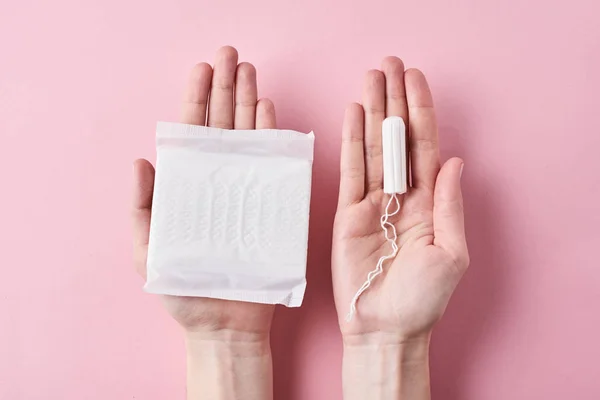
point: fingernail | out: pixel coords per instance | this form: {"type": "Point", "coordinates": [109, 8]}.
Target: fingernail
{"type": "Point", "coordinates": [461, 169]}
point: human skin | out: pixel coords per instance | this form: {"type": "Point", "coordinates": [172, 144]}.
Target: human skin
{"type": "Point", "coordinates": [386, 344]}
{"type": "Point", "coordinates": [228, 351]}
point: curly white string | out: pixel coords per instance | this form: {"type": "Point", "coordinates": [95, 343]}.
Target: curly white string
{"type": "Point", "coordinates": [385, 225]}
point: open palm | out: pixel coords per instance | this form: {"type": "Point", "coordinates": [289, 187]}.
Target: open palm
{"type": "Point", "coordinates": [412, 292]}
{"type": "Point", "coordinates": [233, 104]}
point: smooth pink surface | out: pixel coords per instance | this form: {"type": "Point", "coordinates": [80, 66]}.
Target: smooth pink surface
{"type": "Point", "coordinates": [516, 84]}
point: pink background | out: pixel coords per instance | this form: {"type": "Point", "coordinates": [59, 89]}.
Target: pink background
{"type": "Point", "coordinates": [516, 84]}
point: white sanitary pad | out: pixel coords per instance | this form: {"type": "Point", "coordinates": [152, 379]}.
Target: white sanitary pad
{"type": "Point", "coordinates": [230, 214]}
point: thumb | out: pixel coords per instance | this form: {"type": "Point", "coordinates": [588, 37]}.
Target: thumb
{"type": "Point", "coordinates": [448, 212]}
{"type": "Point", "coordinates": [143, 186]}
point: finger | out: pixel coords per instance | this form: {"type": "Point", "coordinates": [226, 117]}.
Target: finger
{"type": "Point", "coordinates": [352, 160]}
{"type": "Point", "coordinates": [448, 212]}
{"type": "Point", "coordinates": [395, 93]}
{"type": "Point", "coordinates": [196, 95]}
{"type": "Point", "coordinates": [245, 97]}
{"type": "Point", "coordinates": [425, 159]}
{"type": "Point", "coordinates": [143, 186]}
{"type": "Point", "coordinates": [265, 114]}
{"type": "Point", "coordinates": [220, 106]}
{"type": "Point", "coordinates": [374, 106]}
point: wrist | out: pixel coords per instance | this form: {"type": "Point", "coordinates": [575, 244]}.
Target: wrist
{"type": "Point", "coordinates": [232, 337]}
{"type": "Point", "coordinates": [227, 364]}
{"type": "Point", "coordinates": [226, 345]}
{"type": "Point", "coordinates": [383, 338]}
{"type": "Point", "coordinates": [385, 366]}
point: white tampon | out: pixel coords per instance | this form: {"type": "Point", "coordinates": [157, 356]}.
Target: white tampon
{"type": "Point", "coordinates": [395, 182]}
{"type": "Point", "coordinates": [395, 176]}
